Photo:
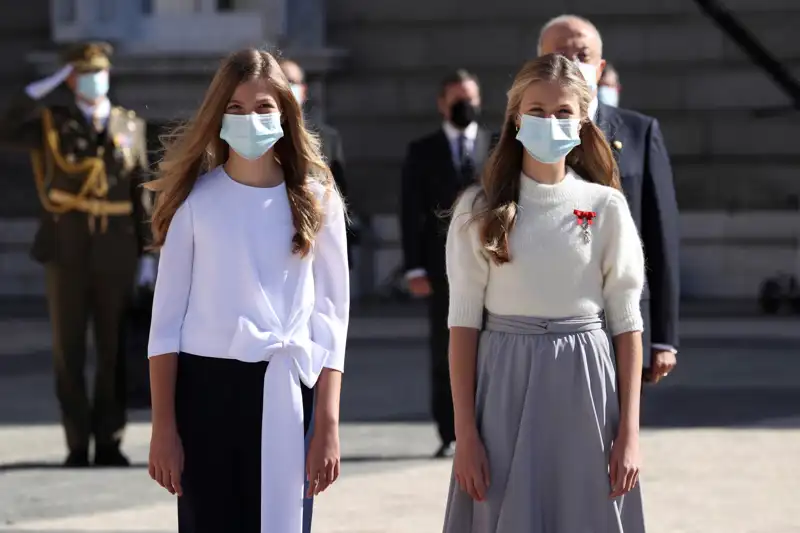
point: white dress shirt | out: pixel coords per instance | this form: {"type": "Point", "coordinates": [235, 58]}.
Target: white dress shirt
{"type": "Point", "coordinates": [453, 135]}
{"type": "Point", "coordinates": [229, 286]}
{"type": "Point", "coordinates": [100, 111]}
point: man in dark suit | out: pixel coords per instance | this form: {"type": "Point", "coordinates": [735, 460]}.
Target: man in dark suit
{"type": "Point", "coordinates": [437, 168]}
{"type": "Point", "coordinates": [646, 177]}
{"type": "Point", "coordinates": [330, 139]}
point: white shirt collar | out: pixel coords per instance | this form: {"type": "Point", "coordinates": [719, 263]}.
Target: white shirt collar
{"type": "Point", "coordinates": [100, 110]}
{"type": "Point", "coordinates": [453, 133]}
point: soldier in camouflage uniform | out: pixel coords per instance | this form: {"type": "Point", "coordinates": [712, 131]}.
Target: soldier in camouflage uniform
{"type": "Point", "coordinates": [89, 159]}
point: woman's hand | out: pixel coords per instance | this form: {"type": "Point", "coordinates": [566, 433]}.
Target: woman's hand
{"type": "Point", "coordinates": [166, 458]}
{"type": "Point", "coordinates": [324, 459]}
{"type": "Point", "coordinates": [624, 463]}
{"type": "Point", "coordinates": [470, 465]}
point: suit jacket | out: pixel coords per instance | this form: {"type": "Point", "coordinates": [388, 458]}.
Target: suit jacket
{"type": "Point", "coordinates": [646, 176]}
{"type": "Point", "coordinates": [430, 186]}
{"type": "Point", "coordinates": [332, 150]}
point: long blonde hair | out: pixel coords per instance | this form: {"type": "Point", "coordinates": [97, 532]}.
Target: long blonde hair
{"type": "Point", "coordinates": [195, 148]}
{"type": "Point", "coordinates": [496, 203]}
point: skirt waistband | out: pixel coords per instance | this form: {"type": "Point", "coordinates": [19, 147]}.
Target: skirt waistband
{"type": "Point", "coordinates": [531, 325]}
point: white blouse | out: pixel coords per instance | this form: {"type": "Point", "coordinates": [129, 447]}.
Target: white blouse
{"type": "Point", "coordinates": [230, 287]}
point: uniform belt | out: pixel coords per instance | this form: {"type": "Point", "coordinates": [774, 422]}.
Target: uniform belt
{"type": "Point", "coordinates": [94, 207]}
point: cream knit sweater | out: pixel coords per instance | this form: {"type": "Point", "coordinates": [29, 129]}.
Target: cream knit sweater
{"type": "Point", "coordinates": [554, 272]}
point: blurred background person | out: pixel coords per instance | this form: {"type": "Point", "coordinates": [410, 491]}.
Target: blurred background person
{"type": "Point", "coordinates": [89, 159]}
{"type": "Point", "coordinates": [646, 176]}
{"type": "Point", "coordinates": [609, 88]}
{"type": "Point", "coordinates": [332, 147]}
{"type": "Point", "coordinates": [436, 169]}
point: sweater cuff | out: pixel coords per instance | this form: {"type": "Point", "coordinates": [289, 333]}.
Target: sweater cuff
{"type": "Point", "coordinates": [465, 312]}
{"type": "Point", "coordinates": [625, 319]}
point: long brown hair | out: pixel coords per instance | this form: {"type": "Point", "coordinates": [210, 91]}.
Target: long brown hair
{"type": "Point", "coordinates": [496, 202]}
{"type": "Point", "coordinates": [195, 148]}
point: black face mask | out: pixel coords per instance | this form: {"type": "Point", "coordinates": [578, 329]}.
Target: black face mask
{"type": "Point", "coordinates": [463, 113]}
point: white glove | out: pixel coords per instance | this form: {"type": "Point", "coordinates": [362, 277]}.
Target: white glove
{"type": "Point", "coordinates": [39, 89]}
{"type": "Point", "coordinates": [147, 271]}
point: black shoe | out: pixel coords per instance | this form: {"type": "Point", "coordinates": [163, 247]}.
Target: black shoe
{"type": "Point", "coordinates": [77, 459]}
{"type": "Point", "coordinates": [446, 450]}
{"type": "Point", "coordinates": [110, 456]}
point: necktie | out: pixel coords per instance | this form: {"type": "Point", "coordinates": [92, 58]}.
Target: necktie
{"type": "Point", "coordinates": [466, 164]}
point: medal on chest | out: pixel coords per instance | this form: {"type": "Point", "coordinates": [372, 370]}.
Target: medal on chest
{"type": "Point", "coordinates": [585, 220]}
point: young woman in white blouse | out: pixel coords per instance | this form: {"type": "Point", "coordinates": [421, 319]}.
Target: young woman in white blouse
{"type": "Point", "coordinates": [542, 258]}
{"type": "Point", "coordinates": [251, 308]}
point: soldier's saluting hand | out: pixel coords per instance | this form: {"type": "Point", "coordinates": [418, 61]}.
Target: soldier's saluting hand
{"type": "Point", "coordinates": [89, 159]}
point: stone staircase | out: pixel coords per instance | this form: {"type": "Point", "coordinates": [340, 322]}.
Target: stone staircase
{"type": "Point", "coordinates": [674, 64]}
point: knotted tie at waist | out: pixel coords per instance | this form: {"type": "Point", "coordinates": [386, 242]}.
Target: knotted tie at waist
{"type": "Point", "coordinates": [530, 325]}
{"type": "Point", "coordinates": [291, 358]}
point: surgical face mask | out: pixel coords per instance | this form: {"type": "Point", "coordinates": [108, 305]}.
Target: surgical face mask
{"type": "Point", "coordinates": [297, 92]}
{"type": "Point", "coordinates": [608, 95]}
{"type": "Point", "coordinates": [92, 85]}
{"type": "Point", "coordinates": [251, 136]}
{"type": "Point", "coordinates": [590, 75]}
{"type": "Point", "coordinates": [548, 140]}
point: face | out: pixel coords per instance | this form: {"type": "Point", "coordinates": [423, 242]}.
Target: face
{"type": "Point", "coordinates": [455, 92]}
{"type": "Point", "coordinates": [577, 41]}
{"type": "Point", "coordinates": [254, 96]}
{"type": "Point", "coordinates": [90, 86]}
{"type": "Point", "coordinates": [295, 75]}
{"type": "Point", "coordinates": [545, 99]}
{"type": "Point", "coordinates": [610, 79]}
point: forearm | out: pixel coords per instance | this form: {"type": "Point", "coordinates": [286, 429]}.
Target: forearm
{"type": "Point", "coordinates": [628, 349]}
{"type": "Point", "coordinates": [163, 373]}
{"type": "Point", "coordinates": [463, 358]}
{"type": "Point", "coordinates": [328, 397]}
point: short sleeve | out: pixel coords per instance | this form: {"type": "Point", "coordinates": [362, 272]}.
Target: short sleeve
{"type": "Point", "coordinates": [467, 266]}
{"type": "Point", "coordinates": [622, 267]}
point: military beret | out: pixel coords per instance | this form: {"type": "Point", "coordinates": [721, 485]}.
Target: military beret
{"type": "Point", "coordinates": [89, 56]}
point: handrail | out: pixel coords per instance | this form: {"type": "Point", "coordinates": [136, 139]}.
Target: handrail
{"type": "Point", "coordinates": [734, 29]}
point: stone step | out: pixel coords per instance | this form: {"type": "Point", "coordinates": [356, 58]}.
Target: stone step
{"type": "Point", "coordinates": [457, 11]}
{"type": "Point", "coordinates": [412, 97]}
{"type": "Point", "coordinates": [483, 43]}
{"type": "Point", "coordinates": [716, 134]}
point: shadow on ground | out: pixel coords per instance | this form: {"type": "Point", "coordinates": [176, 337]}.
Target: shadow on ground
{"type": "Point", "coordinates": [717, 384]}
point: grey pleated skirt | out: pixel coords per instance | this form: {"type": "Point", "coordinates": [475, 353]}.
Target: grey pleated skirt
{"type": "Point", "coordinates": [547, 411]}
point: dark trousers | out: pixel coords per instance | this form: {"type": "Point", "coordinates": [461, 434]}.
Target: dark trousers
{"type": "Point", "coordinates": [439, 338]}
{"type": "Point", "coordinates": [218, 408]}
{"type": "Point", "coordinates": [74, 296]}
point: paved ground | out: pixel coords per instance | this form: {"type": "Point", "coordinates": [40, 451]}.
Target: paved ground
{"type": "Point", "coordinates": [721, 444]}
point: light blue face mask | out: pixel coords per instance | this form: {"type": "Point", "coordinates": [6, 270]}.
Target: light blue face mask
{"type": "Point", "coordinates": [608, 95]}
{"type": "Point", "coordinates": [549, 139]}
{"type": "Point", "coordinates": [251, 136]}
{"type": "Point", "coordinates": [92, 85]}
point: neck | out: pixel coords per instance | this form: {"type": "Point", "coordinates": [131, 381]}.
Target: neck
{"type": "Point", "coordinates": [93, 103]}
{"type": "Point", "coordinates": [262, 172]}
{"type": "Point", "coordinates": [548, 174]}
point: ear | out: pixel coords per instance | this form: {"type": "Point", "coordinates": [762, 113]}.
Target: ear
{"type": "Point", "coordinates": [600, 68]}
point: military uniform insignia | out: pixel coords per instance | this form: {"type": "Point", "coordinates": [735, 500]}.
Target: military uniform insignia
{"type": "Point", "coordinates": [617, 145]}
{"type": "Point", "coordinates": [123, 140]}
